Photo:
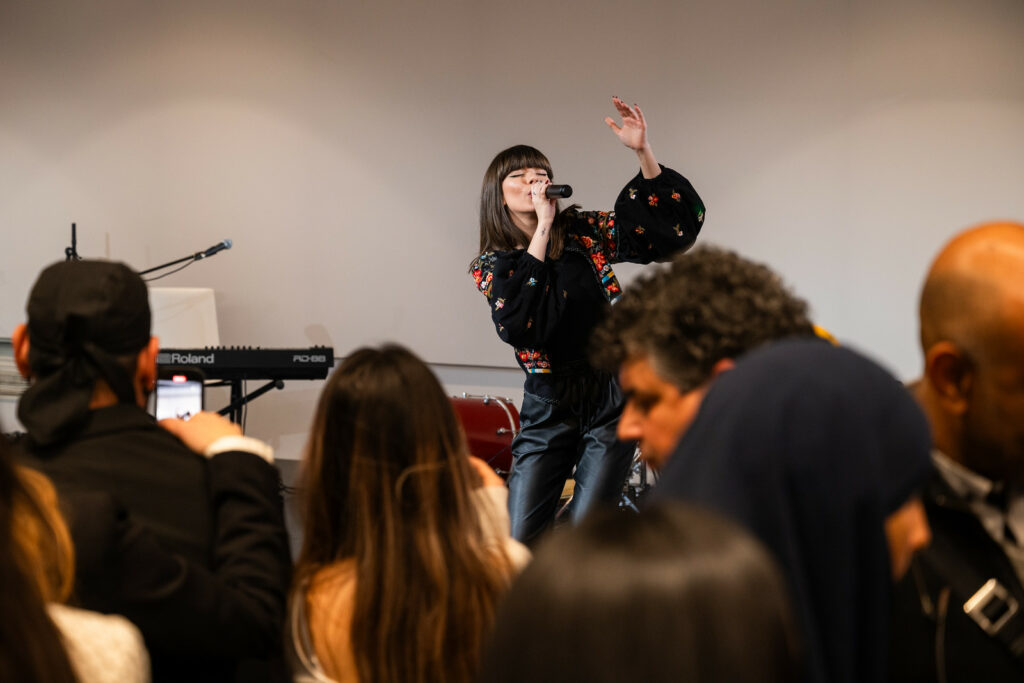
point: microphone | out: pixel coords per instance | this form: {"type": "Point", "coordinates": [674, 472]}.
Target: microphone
{"type": "Point", "coordinates": [220, 246]}
{"type": "Point", "coordinates": [556, 191]}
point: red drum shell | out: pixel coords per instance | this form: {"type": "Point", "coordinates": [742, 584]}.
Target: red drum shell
{"type": "Point", "coordinates": [490, 423]}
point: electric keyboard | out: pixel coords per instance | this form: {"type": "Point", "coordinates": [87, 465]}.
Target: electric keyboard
{"type": "Point", "coordinates": [252, 362]}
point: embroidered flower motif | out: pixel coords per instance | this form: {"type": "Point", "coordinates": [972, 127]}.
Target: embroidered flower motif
{"type": "Point", "coordinates": [676, 196]}
{"type": "Point", "coordinates": [700, 216]}
{"type": "Point", "coordinates": [590, 220]}
{"type": "Point", "coordinates": [511, 272]}
{"type": "Point", "coordinates": [614, 288]}
{"type": "Point", "coordinates": [599, 261]}
{"type": "Point", "coordinates": [587, 242]}
{"type": "Point", "coordinates": [652, 200]}
{"type": "Point", "coordinates": [500, 303]}
{"type": "Point", "coordinates": [529, 323]}
{"type": "Point", "coordinates": [532, 282]}
{"type": "Point", "coordinates": [483, 283]}
{"type": "Point", "coordinates": [632, 193]}
{"type": "Point", "coordinates": [639, 230]}
{"type": "Point", "coordinates": [679, 230]}
{"type": "Point", "coordinates": [501, 328]}
{"type": "Point", "coordinates": [565, 294]}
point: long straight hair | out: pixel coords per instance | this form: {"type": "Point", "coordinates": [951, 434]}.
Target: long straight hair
{"type": "Point", "coordinates": [30, 644]}
{"type": "Point", "coordinates": [387, 484]}
{"type": "Point", "coordinates": [497, 231]}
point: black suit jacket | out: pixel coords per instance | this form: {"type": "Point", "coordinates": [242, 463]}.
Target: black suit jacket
{"type": "Point", "coordinates": [193, 551]}
{"type": "Point", "coordinates": [931, 632]}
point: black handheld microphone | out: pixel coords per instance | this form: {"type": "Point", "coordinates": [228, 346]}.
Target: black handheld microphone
{"type": "Point", "coordinates": [220, 246]}
{"type": "Point", "coordinates": [558, 191]}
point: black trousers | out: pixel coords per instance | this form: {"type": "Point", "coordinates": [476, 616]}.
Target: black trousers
{"type": "Point", "coordinates": [574, 428]}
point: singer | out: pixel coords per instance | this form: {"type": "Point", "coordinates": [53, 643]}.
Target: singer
{"type": "Point", "coordinates": [548, 278]}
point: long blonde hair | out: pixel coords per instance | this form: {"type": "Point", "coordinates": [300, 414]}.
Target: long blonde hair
{"type": "Point", "coordinates": [41, 537]}
{"type": "Point", "coordinates": [387, 488]}
{"type": "Point", "coordinates": [33, 541]}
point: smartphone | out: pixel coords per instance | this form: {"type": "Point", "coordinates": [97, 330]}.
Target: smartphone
{"type": "Point", "coordinates": [179, 392]}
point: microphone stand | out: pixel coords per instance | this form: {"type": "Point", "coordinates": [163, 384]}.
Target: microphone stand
{"type": "Point", "coordinates": [193, 257]}
{"type": "Point", "coordinates": [168, 264]}
{"type": "Point", "coordinates": [71, 253]}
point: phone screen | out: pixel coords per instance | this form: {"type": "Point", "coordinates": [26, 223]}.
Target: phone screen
{"type": "Point", "coordinates": [178, 396]}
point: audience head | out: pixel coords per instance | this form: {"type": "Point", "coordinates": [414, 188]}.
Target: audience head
{"type": "Point", "coordinates": [819, 452]}
{"type": "Point", "coordinates": [676, 329]}
{"type": "Point", "coordinates": [972, 325]}
{"type": "Point", "coordinates": [387, 483]}
{"type": "Point", "coordinates": [86, 344]}
{"type": "Point", "coordinates": [676, 593]}
{"type": "Point", "coordinates": [386, 454]}
{"type": "Point", "coordinates": [30, 645]}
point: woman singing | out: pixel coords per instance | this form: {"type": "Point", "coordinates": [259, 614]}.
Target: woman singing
{"type": "Point", "coordinates": [548, 279]}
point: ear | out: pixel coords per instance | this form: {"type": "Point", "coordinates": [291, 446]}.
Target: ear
{"type": "Point", "coordinates": [145, 368]}
{"type": "Point", "coordinates": [720, 366]}
{"type": "Point", "coordinates": [19, 342]}
{"type": "Point", "coordinates": [950, 373]}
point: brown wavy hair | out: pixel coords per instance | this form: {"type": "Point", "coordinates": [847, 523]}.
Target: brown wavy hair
{"type": "Point", "coordinates": [705, 305]}
{"type": "Point", "coordinates": [387, 490]}
{"type": "Point", "coordinates": [497, 231]}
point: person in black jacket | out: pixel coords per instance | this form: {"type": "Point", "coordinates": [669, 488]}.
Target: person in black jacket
{"type": "Point", "coordinates": [547, 275]}
{"type": "Point", "coordinates": [820, 453]}
{"type": "Point", "coordinates": [178, 527]}
{"type": "Point", "coordinates": [958, 612]}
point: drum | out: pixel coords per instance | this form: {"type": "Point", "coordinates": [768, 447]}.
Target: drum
{"type": "Point", "coordinates": [490, 423]}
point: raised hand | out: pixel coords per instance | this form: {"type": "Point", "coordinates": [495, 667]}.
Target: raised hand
{"type": "Point", "coordinates": [633, 131]}
{"type": "Point", "coordinates": [633, 134]}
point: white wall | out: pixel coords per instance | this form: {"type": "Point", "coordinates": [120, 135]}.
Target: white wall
{"type": "Point", "coordinates": [341, 146]}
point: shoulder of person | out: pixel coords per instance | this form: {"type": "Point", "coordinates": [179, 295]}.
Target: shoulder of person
{"type": "Point", "coordinates": [101, 647]}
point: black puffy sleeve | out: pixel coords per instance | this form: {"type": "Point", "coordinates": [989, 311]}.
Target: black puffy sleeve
{"type": "Point", "coordinates": [526, 302]}
{"type": "Point", "coordinates": [653, 219]}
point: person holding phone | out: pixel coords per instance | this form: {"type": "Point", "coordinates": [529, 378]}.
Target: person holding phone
{"type": "Point", "coordinates": [179, 392]}
{"type": "Point", "coordinates": [547, 275]}
{"type": "Point", "coordinates": [181, 532]}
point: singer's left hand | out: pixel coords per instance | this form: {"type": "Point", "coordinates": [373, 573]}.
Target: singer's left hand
{"type": "Point", "coordinates": [633, 131]}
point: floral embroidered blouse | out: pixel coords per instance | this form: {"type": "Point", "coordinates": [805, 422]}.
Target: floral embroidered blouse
{"type": "Point", "coordinates": [547, 309]}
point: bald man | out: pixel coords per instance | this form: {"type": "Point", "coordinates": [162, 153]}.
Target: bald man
{"type": "Point", "coordinates": [958, 612]}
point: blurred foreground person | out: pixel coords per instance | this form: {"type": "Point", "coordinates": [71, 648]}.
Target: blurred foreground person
{"type": "Point", "coordinates": [406, 548]}
{"type": "Point", "coordinates": [674, 594]}
{"type": "Point", "coordinates": [820, 453]}
{"type": "Point", "coordinates": [42, 639]}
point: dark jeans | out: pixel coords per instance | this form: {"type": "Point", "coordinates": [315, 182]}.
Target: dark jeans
{"type": "Point", "coordinates": [576, 428]}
